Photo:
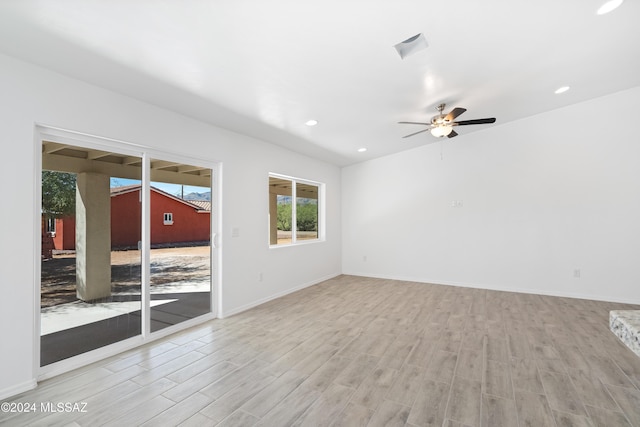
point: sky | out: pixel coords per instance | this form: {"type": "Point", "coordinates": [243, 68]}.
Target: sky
{"type": "Point", "coordinates": [174, 189]}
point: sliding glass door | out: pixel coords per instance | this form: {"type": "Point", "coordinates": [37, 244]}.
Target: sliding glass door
{"type": "Point", "coordinates": [94, 281]}
{"type": "Point", "coordinates": [90, 284]}
{"type": "Point", "coordinates": [180, 255]}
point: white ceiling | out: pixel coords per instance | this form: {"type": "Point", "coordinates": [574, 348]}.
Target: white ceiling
{"type": "Point", "coordinates": [263, 68]}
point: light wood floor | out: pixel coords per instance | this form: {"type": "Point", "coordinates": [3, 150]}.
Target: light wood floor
{"type": "Point", "coordinates": [356, 351]}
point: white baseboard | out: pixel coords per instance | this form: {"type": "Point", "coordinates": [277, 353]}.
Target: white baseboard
{"type": "Point", "coordinates": [256, 303]}
{"type": "Point", "coordinates": [18, 388]}
{"type": "Point", "coordinates": [499, 288]}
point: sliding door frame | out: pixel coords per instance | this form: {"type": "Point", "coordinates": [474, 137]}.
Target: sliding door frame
{"type": "Point", "coordinates": [53, 134]}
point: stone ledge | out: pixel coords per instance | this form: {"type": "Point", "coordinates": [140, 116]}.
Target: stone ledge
{"type": "Point", "coordinates": [626, 325]}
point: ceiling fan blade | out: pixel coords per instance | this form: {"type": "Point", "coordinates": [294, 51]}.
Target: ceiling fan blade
{"type": "Point", "coordinates": [454, 113]}
{"type": "Point", "coordinates": [414, 123]}
{"type": "Point", "coordinates": [452, 134]}
{"type": "Point", "coordinates": [415, 133]}
{"type": "Point", "coordinates": [475, 122]}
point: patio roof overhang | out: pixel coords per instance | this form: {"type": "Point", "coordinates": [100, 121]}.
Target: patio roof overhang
{"type": "Point", "coordinates": [71, 158]}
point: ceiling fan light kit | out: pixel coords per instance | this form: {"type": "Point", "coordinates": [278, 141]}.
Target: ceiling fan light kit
{"type": "Point", "coordinates": [441, 130]}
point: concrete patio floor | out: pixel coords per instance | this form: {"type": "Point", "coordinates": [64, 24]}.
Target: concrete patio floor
{"type": "Point", "coordinates": [74, 328]}
{"type": "Point", "coordinates": [78, 313]}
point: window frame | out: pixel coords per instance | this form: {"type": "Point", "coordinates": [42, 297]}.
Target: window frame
{"type": "Point", "coordinates": [321, 223]}
{"type": "Point", "coordinates": [167, 218]}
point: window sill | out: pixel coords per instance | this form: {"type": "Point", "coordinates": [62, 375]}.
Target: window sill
{"type": "Point", "coordinates": [302, 243]}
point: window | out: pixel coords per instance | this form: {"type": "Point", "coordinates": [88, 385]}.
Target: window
{"type": "Point", "coordinates": [168, 218]}
{"type": "Point", "coordinates": [295, 207]}
{"type": "Point", "coordinates": [51, 226]}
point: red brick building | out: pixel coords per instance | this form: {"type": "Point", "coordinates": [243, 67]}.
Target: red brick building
{"type": "Point", "coordinates": [173, 220]}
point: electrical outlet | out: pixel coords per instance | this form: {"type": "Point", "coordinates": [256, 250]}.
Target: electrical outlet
{"type": "Point", "coordinates": [364, 258]}
{"type": "Point", "coordinates": [576, 273]}
{"type": "Point", "coordinates": [260, 277]}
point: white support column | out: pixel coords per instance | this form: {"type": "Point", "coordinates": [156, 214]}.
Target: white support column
{"type": "Point", "coordinates": [93, 236]}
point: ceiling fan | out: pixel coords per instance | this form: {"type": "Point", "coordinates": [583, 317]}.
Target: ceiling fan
{"type": "Point", "coordinates": [442, 124]}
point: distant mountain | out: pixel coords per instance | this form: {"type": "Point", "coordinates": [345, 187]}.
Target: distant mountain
{"type": "Point", "coordinates": [301, 201]}
{"type": "Point", "coordinates": [206, 197]}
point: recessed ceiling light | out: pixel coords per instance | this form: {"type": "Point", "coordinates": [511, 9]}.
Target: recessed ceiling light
{"type": "Point", "coordinates": [362, 150]}
{"type": "Point", "coordinates": [311, 122]}
{"type": "Point", "coordinates": [562, 89]}
{"type": "Point", "coordinates": [609, 6]}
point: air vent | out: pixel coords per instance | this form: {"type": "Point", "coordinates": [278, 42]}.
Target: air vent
{"type": "Point", "coordinates": [411, 45]}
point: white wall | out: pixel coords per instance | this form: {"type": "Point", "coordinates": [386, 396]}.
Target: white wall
{"type": "Point", "coordinates": [33, 95]}
{"type": "Point", "coordinates": [540, 197]}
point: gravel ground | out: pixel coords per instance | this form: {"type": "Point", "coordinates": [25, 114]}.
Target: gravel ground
{"type": "Point", "coordinates": [58, 275]}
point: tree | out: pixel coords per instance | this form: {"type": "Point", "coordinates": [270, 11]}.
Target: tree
{"type": "Point", "coordinates": [58, 194]}
{"type": "Point", "coordinates": [307, 216]}
{"type": "Point", "coordinates": [284, 216]}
